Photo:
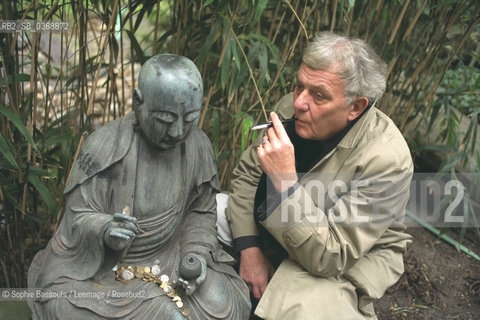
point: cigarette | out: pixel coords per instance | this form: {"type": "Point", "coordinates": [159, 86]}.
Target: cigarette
{"type": "Point", "coordinates": [269, 125]}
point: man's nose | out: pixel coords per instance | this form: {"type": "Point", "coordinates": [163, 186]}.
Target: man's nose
{"type": "Point", "coordinates": [176, 129]}
{"type": "Point", "coordinates": [302, 102]}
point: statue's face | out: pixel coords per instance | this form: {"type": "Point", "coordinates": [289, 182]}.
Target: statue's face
{"type": "Point", "coordinates": [168, 100]}
{"type": "Point", "coordinates": [167, 123]}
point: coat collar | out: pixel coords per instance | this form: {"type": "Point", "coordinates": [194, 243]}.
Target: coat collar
{"type": "Point", "coordinates": [350, 140]}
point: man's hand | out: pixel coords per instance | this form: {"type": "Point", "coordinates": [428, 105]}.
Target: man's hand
{"type": "Point", "coordinates": [120, 230]}
{"type": "Point", "coordinates": [277, 156]}
{"type": "Point", "coordinates": [256, 270]}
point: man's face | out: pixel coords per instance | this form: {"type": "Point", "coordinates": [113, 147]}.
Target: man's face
{"type": "Point", "coordinates": [165, 124]}
{"type": "Point", "coordinates": [320, 104]}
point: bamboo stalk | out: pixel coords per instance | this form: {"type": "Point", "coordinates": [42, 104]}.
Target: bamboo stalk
{"type": "Point", "coordinates": [102, 57]}
{"type": "Point", "coordinates": [227, 38]}
{"type": "Point", "coordinates": [5, 273]}
{"type": "Point", "coordinates": [334, 15]}
{"type": "Point", "coordinates": [274, 18]}
{"type": "Point", "coordinates": [130, 20]}
{"type": "Point", "coordinates": [122, 68]}
{"type": "Point", "coordinates": [299, 20]}
{"type": "Point", "coordinates": [415, 19]}
{"type": "Point", "coordinates": [450, 60]}
{"type": "Point", "coordinates": [378, 9]}
{"type": "Point", "coordinates": [205, 107]}
{"type": "Point", "coordinates": [399, 20]}
{"type": "Point", "coordinates": [251, 75]}
{"type": "Point", "coordinates": [155, 37]}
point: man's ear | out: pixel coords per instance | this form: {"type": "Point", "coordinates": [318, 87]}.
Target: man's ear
{"type": "Point", "coordinates": [357, 107]}
{"type": "Point", "coordinates": [137, 98]}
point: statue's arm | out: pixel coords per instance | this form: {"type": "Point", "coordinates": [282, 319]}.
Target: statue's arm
{"type": "Point", "coordinates": [79, 239]}
{"type": "Point", "coordinates": [198, 233]}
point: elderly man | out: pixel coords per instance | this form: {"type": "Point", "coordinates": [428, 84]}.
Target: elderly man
{"type": "Point", "coordinates": [140, 216]}
{"type": "Point", "coordinates": [316, 207]}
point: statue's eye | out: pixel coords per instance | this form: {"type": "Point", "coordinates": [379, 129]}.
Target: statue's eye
{"type": "Point", "coordinates": [164, 116]}
{"type": "Point", "coordinates": [189, 117]}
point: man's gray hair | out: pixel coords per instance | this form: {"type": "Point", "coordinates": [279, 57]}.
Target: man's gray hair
{"type": "Point", "coordinates": [357, 64]}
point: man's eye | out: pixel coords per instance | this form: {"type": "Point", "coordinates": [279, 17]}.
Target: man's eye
{"type": "Point", "coordinates": [164, 116]}
{"type": "Point", "coordinates": [189, 117]}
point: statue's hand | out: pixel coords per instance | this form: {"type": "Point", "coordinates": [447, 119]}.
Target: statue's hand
{"type": "Point", "coordinates": [188, 280]}
{"type": "Point", "coordinates": [120, 230]}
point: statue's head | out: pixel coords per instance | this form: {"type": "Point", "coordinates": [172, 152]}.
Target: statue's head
{"type": "Point", "coordinates": [168, 100]}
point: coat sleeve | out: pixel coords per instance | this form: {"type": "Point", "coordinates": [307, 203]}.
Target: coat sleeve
{"type": "Point", "coordinates": [241, 201]}
{"type": "Point", "coordinates": [329, 241]}
{"type": "Point", "coordinates": [245, 178]}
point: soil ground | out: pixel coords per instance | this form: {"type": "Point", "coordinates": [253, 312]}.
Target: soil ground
{"type": "Point", "coordinates": [439, 282]}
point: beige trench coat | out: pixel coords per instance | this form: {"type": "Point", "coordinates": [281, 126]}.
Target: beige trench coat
{"type": "Point", "coordinates": [342, 227]}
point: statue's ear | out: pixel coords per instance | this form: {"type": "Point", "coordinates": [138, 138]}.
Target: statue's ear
{"type": "Point", "coordinates": [137, 98]}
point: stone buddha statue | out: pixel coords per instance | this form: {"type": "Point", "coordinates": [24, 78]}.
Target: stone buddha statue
{"type": "Point", "coordinates": [138, 239]}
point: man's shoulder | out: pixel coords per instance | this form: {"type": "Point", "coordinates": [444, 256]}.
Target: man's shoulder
{"type": "Point", "coordinates": [384, 142]}
{"type": "Point", "coordinates": [384, 130]}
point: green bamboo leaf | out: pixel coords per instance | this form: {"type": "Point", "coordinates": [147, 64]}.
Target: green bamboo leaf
{"type": "Point", "coordinates": [207, 3]}
{"type": "Point", "coordinates": [37, 219]}
{"type": "Point", "coordinates": [351, 3]}
{"type": "Point", "coordinates": [55, 136]}
{"type": "Point", "coordinates": [9, 190]}
{"type": "Point", "coordinates": [474, 117]}
{"type": "Point", "coordinates": [6, 151]}
{"type": "Point", "coordinates": [253, 53]}
{"type": "Point", "coordinates": [44, 193]}
{"type": "Point", "coordinates": [225, 67]}
{"type": "Point", "coordinates": [208, 42]}
{"type": "Point", "coordinates": [20, 77]}
{"type": "Point", "coordinates": [450, 163]}
{"type": "Point", "coordinates": [259, 10]}
{"type": "Point", "coordinates": [340, 8]}
{"type": "Point", "coordinates": [147, 7]}
{"type": "Point", "coordinates": [433, 117]}
{"type": "Point", "coordinates": [254, 136]}
{"type": "Point", "coordinates": [247, 124]}
{"type": "Point", "coordinates": [439, 148]}
{"type": "Point", "coordinates": [263, 59]}
{"type": "Point", "coordinates": [140, 55]}
{"type": "Point", "coordinates": [236, 55]}
{"type": "Point", "coordinates": [445, 3]}
{"type": "Point", "coordinates": [19, 124]}
{"type": "Point", "coordinates": [223, 156]}
{"type": "Point", "coordinates": [216, 130]}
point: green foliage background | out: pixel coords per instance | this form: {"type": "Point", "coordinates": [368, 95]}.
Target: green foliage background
{"type": "Point", "coordinates": [54, 87]}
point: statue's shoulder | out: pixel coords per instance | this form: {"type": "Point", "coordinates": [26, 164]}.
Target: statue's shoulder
{"type": "Point", "coordinates": [199, 143]}
{"type": "Point", "coordinates": [201, 156]}
{"type": "Point", "coordinates": [200, 137]}
{"type": "Point", "coordinates": [104, 147]}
